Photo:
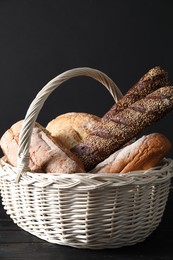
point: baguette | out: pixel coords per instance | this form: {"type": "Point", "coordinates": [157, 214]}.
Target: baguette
{"type": "Point", "coordinates": [143, 154]}
{"type": "Point", "coordinates": [152, 80]}
{"type": "Point", "coordinates": [105, 138]}
{"type": "Point", "coordinates": [46, 155]}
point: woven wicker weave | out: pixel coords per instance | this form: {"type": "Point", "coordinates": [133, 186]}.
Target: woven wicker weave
{"type": "Point", "coordinates": [83, 210]}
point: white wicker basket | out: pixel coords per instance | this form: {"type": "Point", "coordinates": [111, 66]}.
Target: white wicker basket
{"type": "Point", "coordinates": [82, 210]}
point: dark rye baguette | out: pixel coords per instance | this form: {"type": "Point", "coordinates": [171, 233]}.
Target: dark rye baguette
{"type": "Point", "coordinates": [106, 138]}
{"type": "Point", "coordinates": [152, 80]}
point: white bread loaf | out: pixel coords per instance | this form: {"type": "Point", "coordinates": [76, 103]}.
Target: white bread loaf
{"type": "Point", "coordinates": [46, 155]}
{"type": "Point", "coordinates": [143, 154]}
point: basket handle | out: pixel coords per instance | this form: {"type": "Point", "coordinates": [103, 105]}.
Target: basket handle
{"type": "Point", "coordinates": [38, 102]}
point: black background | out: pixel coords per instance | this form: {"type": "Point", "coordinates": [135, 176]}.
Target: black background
{"type": "Point", "coordinates": [41, 39]}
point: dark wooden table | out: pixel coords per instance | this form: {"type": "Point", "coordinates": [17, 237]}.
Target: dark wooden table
{"type": "Point", "coordinates": [18, 244]}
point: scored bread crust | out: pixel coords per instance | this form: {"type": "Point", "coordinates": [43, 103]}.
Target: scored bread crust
{"type": "Point", "coordinates": [46, 155]}
{"type": "Point", "coordinates": [107, 137]}
{"type": "Point", "coordinates": [71, 128]}
{"type": "Point", "coordinates": [155, 78]}
{"type": "Point", "coordinates": [143, 154]}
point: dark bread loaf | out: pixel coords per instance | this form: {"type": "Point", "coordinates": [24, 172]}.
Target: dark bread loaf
{"type": "Point", "coordinates": [152, 80]}
{"type": "Point", "coordinates": [143, 154]}
{"type": "Point", "coordinates": [106, 138]}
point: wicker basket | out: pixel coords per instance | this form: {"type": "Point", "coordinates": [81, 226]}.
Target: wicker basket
{"type": "Point", "coordinates": [82, 210]}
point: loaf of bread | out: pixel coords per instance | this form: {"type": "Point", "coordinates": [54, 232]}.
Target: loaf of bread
{"type": "Point", "coordinates": [107, 137]}
{"type": "Point", "coordinates": [71, 128]}
{"type": "Point", "coordinates": [152, 80]}
{"type": "Point", "coordinates": [46, 155]}
{"type": "Point", "coordinates": [143, 154]}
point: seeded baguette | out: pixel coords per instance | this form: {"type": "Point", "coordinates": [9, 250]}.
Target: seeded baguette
{"type": "Point", "coordinates": [152, 80]}
{"type": "Point", "coordinates": [105, 138]}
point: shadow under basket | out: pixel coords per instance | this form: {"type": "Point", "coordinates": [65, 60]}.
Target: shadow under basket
{"type": "Point", "coordinates": [82, 210]}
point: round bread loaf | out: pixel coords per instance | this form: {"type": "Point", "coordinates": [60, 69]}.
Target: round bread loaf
{"type": "Point", "coordinates": [71, 128]}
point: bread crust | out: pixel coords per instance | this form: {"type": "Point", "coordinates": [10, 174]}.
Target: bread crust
{"type": "Point", "coordinates": [143, 154]}
{"type": "Point", "coordinates": [46, 155]}
{"type": "Point", "coordinates": [107, 137]}
{"type": "Point", "coordinates": [71, 128]}
{"type": "Point", "coordinates": [155, 78]}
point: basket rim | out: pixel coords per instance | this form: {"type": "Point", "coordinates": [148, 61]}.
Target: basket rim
{"type": "Point", "coordinates": [89, 181]}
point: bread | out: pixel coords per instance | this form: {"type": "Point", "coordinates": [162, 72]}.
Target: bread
{"type": "Point", "coordinates": [152, 80]}
{"type": "Point", "coordinates": [46, 155]}
{"type": "Point", "coordinates": [143, 154]}
{"type": "Point", "coordinates": [71, 128]}
{"type": "Point", "coordinates": [107, 137]}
